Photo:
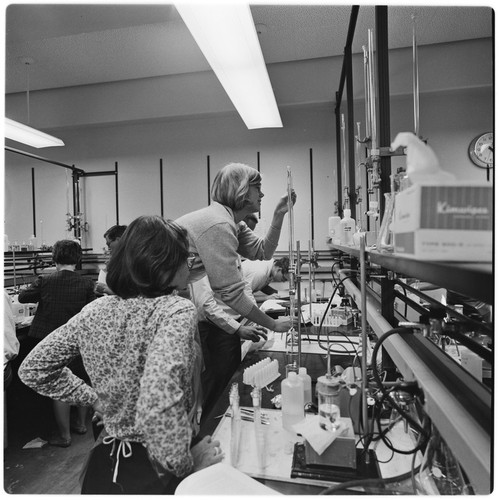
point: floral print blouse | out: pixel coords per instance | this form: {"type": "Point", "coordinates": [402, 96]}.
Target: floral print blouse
{"type": "Point", "coordinates": [141, 355]}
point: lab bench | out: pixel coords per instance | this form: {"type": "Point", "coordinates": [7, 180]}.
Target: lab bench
{"type": "Point", "coordinates": [458, 401]}
{"type": "Point", "coordinates": [279, 473]}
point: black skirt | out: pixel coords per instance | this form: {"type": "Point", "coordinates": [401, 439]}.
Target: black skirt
{"type": "Point", "coordinates": [110, 472]}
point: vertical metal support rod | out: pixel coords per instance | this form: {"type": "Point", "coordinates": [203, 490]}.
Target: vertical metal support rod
{"type": "Point", "coordinates": [76, 200]}
{"type": "Point", "coordinates": [350, 130]}
{"type": "Point", "coordinates": [311, 194]}
{"type": "Point", "coordinates": [14, 264]}
{"type": "Point", "coordinates": [33, 199]}
{"type": "Point", "coordinates": [258, 168]}
{"type": "Point", "coordinates": [338, 154]}
{"type": "Point", "coordinates": [415, 76]}
{"type": "Point", "coordinates": [363, 308]}
{"type": "Point", "coordinates": [381, 14]}
{"type": "Point", "coordinates": [75, 181]}
{"type": "Point", "coordinates": [298, 298]}
{"type": "Point", "coordinates": [372, 91]}
{"type": "Point", "coordinates": [116, 192]}
{"type": "Point", "coordinates": [293, 264]}
{"type": "Point", "coordinates": [384, 99]}
{"type": "Point", "coordinates": [208, 177]}
{"type": "Point", "coordinates": [161, 186]}
{"type": "Point", "coordinates": [343, 151]}
{"type": "Point", "coordinates": [367, 95]}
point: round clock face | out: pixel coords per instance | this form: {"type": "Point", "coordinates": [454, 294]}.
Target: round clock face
{"type": "Point", "coordinates": [481, 150]}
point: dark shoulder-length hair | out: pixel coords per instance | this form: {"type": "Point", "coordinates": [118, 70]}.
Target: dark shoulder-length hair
{"type": "Point", "coordinates": [147, 257]}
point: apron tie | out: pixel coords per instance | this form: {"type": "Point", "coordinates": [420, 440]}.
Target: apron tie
{"type": "Point", "coordinates": [124, 447]}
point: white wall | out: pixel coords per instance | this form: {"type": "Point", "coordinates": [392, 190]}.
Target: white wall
{"type": "Point", "coordinates": [449, 120]}
{"type": "Point", "coordinates": [184, 146]}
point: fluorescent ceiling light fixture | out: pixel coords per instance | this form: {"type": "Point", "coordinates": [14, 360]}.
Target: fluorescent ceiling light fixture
{"type": "Point", "coordinates": [29, 136]}
{"type": "Point", "coordinates": [227, 37]}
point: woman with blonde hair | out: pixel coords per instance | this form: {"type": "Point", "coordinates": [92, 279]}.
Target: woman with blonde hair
{"type": "Point", "coordinates": [217, 240]}
{"type": "Point", "coordinates": [141, 351]}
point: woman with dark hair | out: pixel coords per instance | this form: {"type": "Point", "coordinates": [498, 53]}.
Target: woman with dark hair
{"type": "Point", "coordinates": [112, 237]}
{"type": "Point", "coordinates": [141, 351]}
{"type": "Point", "coordinates": [218, 239]}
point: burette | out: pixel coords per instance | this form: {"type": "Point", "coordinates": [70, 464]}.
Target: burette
{"type": "Point", "coordinates": [293, 278]}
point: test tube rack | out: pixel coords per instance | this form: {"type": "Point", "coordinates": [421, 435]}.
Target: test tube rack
{"type": "Point", "coordinates": [262, 373]}
{"type": "Point", "coordinates": [333, 317]}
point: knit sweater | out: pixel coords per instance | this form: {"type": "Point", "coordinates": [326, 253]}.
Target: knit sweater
{"type": "Point", "coordinates": [217, 241]}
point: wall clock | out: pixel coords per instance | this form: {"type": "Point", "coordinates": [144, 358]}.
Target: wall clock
{"type": "Point", "coordinates": [481, 150]}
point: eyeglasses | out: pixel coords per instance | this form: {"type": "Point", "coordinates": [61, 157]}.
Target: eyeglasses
{"type": "Point", "coordinates": [190, 260]}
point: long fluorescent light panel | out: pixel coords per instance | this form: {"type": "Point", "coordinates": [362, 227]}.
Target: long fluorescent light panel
{"type": "Point", "coordinates": [30, 136]}
{"type": "Point", "coordinates": [227, 37]}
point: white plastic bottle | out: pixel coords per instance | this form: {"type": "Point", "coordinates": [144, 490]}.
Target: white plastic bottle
{"type": "Point", "coordinates": [334, 229]}
{"type": "Point", "coordinates": [347, 228]}
{"type": "Point", "coordinates": [292, 401]}
{"type": "Point", "coordinates": [33, 242]}
{"type": "Point", "coordinates": [307, 384]}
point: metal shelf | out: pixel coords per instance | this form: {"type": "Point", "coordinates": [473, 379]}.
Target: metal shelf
{"type": "Point", "coordinates": [475, 280]}
{"type": "Point", "coordinates": [458, 404]}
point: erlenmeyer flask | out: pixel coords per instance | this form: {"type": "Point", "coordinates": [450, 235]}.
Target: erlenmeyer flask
{"type": "Point", "coordinates": [440, 472]}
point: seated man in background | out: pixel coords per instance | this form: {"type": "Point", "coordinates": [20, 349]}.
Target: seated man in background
{"type": "Point", "coordinates": [112, 236]}
{"type": "Point", "coordinates": [60, 296]}
{"type": "Point", "coordinates": [10, 341]}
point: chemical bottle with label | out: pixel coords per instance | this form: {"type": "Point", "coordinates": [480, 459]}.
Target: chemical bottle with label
{"type": "Point", "coordinates": [347, 228]}
{"type": "Point", "coordinates": [307, 384]}
{"type": "Point", "coordinates": [292, 401]}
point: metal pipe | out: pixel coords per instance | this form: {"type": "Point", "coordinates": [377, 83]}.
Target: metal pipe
{"type": "Point", "coordinates": [415, 76]}
{"type": "Point", "coordinates": [116, 192]}
{"type": "Point", "coordinates": [208, 178]}
{"type": "Point", "coordinates": [292, 263]}
{"type": "Point", "coordinates": [33, 199]}
{"type": "Point", "coordinates": [367, 93]}
{"type": "Point", "coordinates": [298, 298]}
{"type": "Point", "coordinates": [339, 188]}
{"type": "Point", "coordinates": [161, 186]}
{"type": "Point", "coordinates": [363, 308]}
{"type": "Point", "coordinates": [311, 194]}
{"type": "Point", "coordinates": [344, 155]}
{"type": "Point", "coordinates": [46, 160]}
{"type": "Point", "coordinates": [372, 90]}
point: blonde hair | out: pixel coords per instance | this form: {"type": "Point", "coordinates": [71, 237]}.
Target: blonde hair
{"type": "Point", "coordinates": [231, 184]}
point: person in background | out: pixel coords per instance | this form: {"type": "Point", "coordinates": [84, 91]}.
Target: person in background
{"type": "Point", "coordinates": [261, 273]}
{"type": "Point", "coordinates": [112, 236]}
{"type": "Point", "coordinates": [10, 341]}
{"type": "Point", "coordinates": [10, 351]}
{"type": "Point", "coordinates": [141, 350]}
{"type": "Point", "coordinates": [60, 295]}
{"type": "Point", "coordinates": [217, 240]}
{"type": "Point", "coordinates": [215, 316]}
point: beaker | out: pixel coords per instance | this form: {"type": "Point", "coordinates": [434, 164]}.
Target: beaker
{"type": "Point", "coordinates": [328, 395]}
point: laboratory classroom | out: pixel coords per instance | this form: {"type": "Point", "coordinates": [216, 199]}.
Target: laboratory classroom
{"type": "Point", "coordinates": [370, 132]}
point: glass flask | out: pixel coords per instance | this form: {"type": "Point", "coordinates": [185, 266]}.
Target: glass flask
{"type": "Point", "coordinates": [440, 472]}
